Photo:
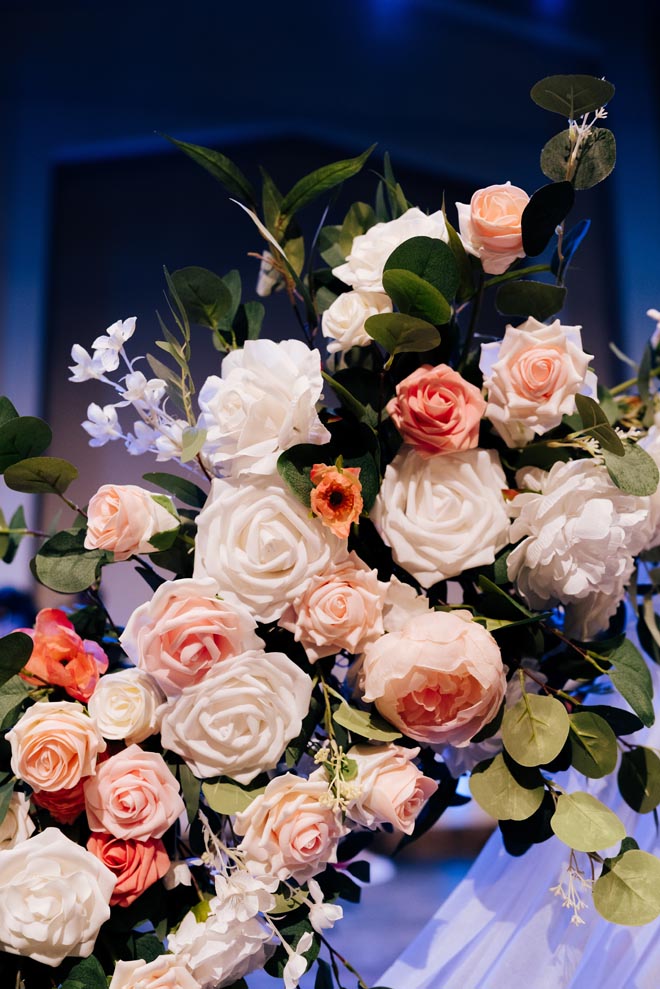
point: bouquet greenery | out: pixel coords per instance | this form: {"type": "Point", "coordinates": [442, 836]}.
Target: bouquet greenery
{"type": "Point", "coordinates": [353, 602]}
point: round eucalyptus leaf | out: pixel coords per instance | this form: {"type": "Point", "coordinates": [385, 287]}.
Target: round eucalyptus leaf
{"type": "Point", "coordinates": [431, 259]}
{"type": "Point", "coordinates": [629, 892]}
{"type": "Point", "coordinates": [597, 157]}
{"type": "Point", "coordinates": [22, 437]}
{"type": "Point", "coordinates": [399, 333]}
{"type": "Point", "coordinates": [639, 779]}
{"type": "Point", "coordinates": [593, 745]}
{"type": "Point", "coordinates": [41, 475]}
{"type": "Point", "coordinates": [572, 95]}
{"type": "Point", "coordinates": [415, 296]}
{"type": "Point", "coordinates": [584, 823]}
{"type": "Point", "coordinates": [497, 791]}
{"type": "Point", "coordinates": [534, 730]}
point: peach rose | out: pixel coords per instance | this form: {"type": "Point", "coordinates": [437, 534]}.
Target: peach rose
{"type": "Point", "coordinates": [136, 864]}
{"type": "Point", "coordinates": [341, 608]}
{"type": "Point", "coordinates": [64, 806]}
{"type": "Point", "coordinates": [122, 518]}
{"type": "Point", "coordinates": [61, 658]}
{"type": "Point", "coordinates": [53, 745]}
{"type": "Point", "coordinates": [185, 630]}
{"type": "Point", "coordinates": [437, 411]}
{"type": "Point", "coordinates": [164, 972]}
{"type": "Point", "coordinates": [439, 679]}
{"type": "Point", "coordinates": [289, 831]}
{"type": "Point", "coordinates": [336, 497]}
{"type": "Point", "coordinates": [392, 789]}
{"type": "Point", "coordinates": [133, 795]}
{"type": "Point", "coordinates": [490, 226]}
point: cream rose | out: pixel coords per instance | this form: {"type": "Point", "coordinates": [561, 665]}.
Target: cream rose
{"type": "Point", "coordinates": [289, 831]}
{"type": "Point", "coordinates": [164, 972]}
{"type": "Point", "coordinates": [264, 403]}
{"type": "Point", "coordinates": [442, 515]}
{"type": "Point", "coordinates": [533, 375]}
{"type": "Point", "coordinates": [125, 705]}
{"type": "Point", "coordinates": [490, 226]}
{"type": "Point", "coordinates": [182, 633]}
{"type": "Point", "coordinates": [17, 825]}
{"type": "Point", "coordinates": [257, 539]}
{"type": "Point", "coordinates": [54, 897]}
{"type": "Point", "coordinates": [392, 789]}
{"type": "Point", "coordinates": [363, 269]}
{"type": "Point", "coordinates": [439, 679]}
{"type": "Point", "coordinates": [343, 322]}
{"type": "Point", "coordinates": [218, 952]}
{"type": "Point", "coordinates": [341, 608]}
{"type": "Point", "coordinates": [240, 719]}
{"type": "Point", "coordinates": [53, 745]}
{"type": "Point", "coordinates": [122, 518]}
{"type": "Point", "coordinates": [133, 795]}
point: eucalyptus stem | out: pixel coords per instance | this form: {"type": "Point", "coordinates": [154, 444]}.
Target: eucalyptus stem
{"type": "Point", "coordinates": [72, 505]}
{"type": "Point", "coordinates": [625, 385]}
{"type": "Point", "coordinates": [347, 965]}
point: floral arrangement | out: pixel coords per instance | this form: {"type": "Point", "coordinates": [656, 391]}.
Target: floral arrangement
{"type": "Point", "coordinates": [355, 599]}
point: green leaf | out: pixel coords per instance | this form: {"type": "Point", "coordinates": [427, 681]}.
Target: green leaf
{"type": "Point", "coordinates": [14, 692]}
{"type": "Point", "coordinates": [572, 96]}
{"type": "Point", "coordinates": [15, 652]}
{"type": "Point", "coordinates": [416, 297]}
{"type": "Point", "coordinates": [596, 423]}
{"type": "Point", "coordinates": [15, 536]}
{"type": "Point", "coordinates": [41, 475]}
{"type": "Point", "coordinates": [499, 793]}
{"type": "Point", "coordinates": [429, 258]}
{"type": "Point", "coordinates": [6, 793]}
{"type": "Point", "coordinates": [221, 168]}
{"type": "Point", "coordinates": [363, 413]}
{"type": "Point", "coordinates": [64, 565]}
{"type": "Point", "coordinates": [271, 199]}
{"type": "Point", "coordinates": [313, 185]}
{"type": "Point", "coordinates": [324, 978]}
{"type": "Point", "coordinates": [629, 891]}
{"type": "Point", "coordinates": [398, 333]}
{"type": "Point", "coordinates": [7, 410]}
{"type": "Point", "coordinates": [639, 779]}
{"type": "Point", "coordinates": [465, 288]}
{"type": "Point", "coordinates": [534, 730]}
{"type": "Point", "coordinates": [192, 441]}
{"type": "Point", "coordinates": [584, 823]}
{"type": "Point", "coordinates": [636, 472]}
{"type": "Point", "coordinates": [593, 745]}
{"type": "Point", "coordinates": [597, 157]}
{"type": "Point", "coordinates": [204, 296]}
{"type": "Point", "coordinates": [620, 721]}
{"type": "Point", "coordinates": [184, 490]}
{"type": "Point", "coordinates": [529, 298]}
{"type": "Point", "coordinates": [547, 208]}
{"type": "Point", "coordinates": [365, 724]}
{"type": "Point", "coordinates": [632, 679]}
{"type": "Point", "coordinates": [22, 437]}
{"type": "Point", "coordinates": [190, 788]}
{"type": "Point", "coordinates": [87, 974]}
{"type": "Point", "coordinates": [227, 797]}
{"type": "Point", "coordinates": [248, 321]}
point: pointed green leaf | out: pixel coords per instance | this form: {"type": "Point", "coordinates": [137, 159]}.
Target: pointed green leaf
{"type": "Point", "coordinates": [597, 424]}
{"type": "Point", "coordinates": [221, 168]}
{"type": "Point", "coordinates": [365, 724]}
{"type": "Point", "coordinates": [41, 475]}
{"type": "Point", "coordinates": [204, 296]}
{"type": "Point", "coordinates": [184, 490]}
{"type": "Point", "coordinates": [632, 679]}
{"type": "Point", "coordinates": [311, 186]}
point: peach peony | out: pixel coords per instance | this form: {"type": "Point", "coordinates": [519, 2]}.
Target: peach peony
{"type": "Point", "coordinates": [61, 658]}
{"type": "Point", "coordinates": [491, 226]}
{"type": "Point", "coordinates": [336, 497]}
{"type": "Point", "coordinates": [136, 864]}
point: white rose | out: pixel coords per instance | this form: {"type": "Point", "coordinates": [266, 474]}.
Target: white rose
{"type": "Point", "coordinates": [17, 825]}
{"type": "Point", "coordinates": [125, 705]}
{"type": "Point", "coordinates": [264, 403]}
{"type": "Point", "coordinates": [54, 897]}
{"type": "Point", "coordinates": [238, 721]}
{"type": "Point", "coordinates": [363, 269]}
{"type": "Point", "coordinates": [164, 972]}
{"type": "Point", "coordinates": [579, 537]}
{"type": "Point", "coordinates": [651, 443]}
{"type": "Point", "coordinates": [343, 322]}
{"type": "Point", "coordinates": [533, 375]}
{"type": "Point", "coordinates": [218, 952]}
{"type": "Point", "coordinates": [258, 540]}
{"type": "Point", "coordinates": [442, 515]}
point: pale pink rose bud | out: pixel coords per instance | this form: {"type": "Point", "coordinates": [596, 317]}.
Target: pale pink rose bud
{"type": "Point", "coordinates": [490, 226]}
{"type": "Point", "coordinates": [122, 518]}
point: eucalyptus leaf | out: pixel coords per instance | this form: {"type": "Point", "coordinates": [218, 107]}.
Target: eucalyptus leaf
{"type": "Point", "coordinates": [547, 208]}
{"type": "Point", "coordinates": [365, 724]}
{"type": "Point", "coordinates": [41, 475]}
{"type": "Point", "coordinates": [597, 424]}
{"type": "Point", "coordinates": [584, 823]}
{"type": "Point", "coordinates": [221, 168]}
{"type": "Point", "coordinates": [22, 437]}
{"type": "Point", "coordinates": [498, 792]}
{"type": "Point", "coordinates": [7, 410]}
{"type": "Point", "coordinates": [593, 745]}
{"type": "Point", "coordinates": [636, 472]}
{"type": "Point", "coordinates": [228, 797]}
{"type": "Point", "coordinates": [639, 779]}
{"type": "Point", "coordinates": [572, 96]}
{"type": "Point", "coordinates": [204, 296]}
{"type": "Point", "coordinates": [398, 333]}
{"type": "Point", "coordinates": [465, 288]}
{"type": "Point", "coordinates": [14, 692]}
{"type": "Point", "coordinates": [192, 442]}
{"type": "Point", "coordinates": [631, 676]}
{"type": "Point", "coordinates": [415, 296]}
{"type": "Point", "coordinates": [64, 565]}
{"type": "Point", "coordinates": [87, 974]}
{"type": "Point", "coordinates": [534, 730]}
{"type": "Point", "coordinates": [363, 413]}
{"type": "Point", "coordinates": [596, 157]}
{"type": "Point", "coordinates": [529, 298]}
{"type": "Point", "coordinates": [629, 891]}
{"type": "Point", "coordinates": [15, 652]}
{"type": "Point", "coordinates": [429, 258]}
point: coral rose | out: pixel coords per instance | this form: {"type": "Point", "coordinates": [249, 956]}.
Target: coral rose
{"type": "Point", "coordinates": [439, 679]}
{"type": "Point", "coordinates": [136, 864]}
{"type": "Point", "coordinates": [122, 518]}
{"type": "Point", "coordinates": [392, 789]}
{"type": "Point", "coordinates": [336, 497]}
{"type": "Point", "coordinates": [64, 806]}
{"type": "Point", "coordinates": [61, 658]}
{"type": "Point", "coordinates": [437, 411]}
{"type": "Point", "coordinates": [491, 226]}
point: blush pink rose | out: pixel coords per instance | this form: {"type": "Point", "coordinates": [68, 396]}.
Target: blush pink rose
{"type": "Point", "coordinates": [437, 411]}
{"type": "Point", "coordinates": [133, 796]}
{"type": "Point", "coordinates": [53, 745]}
{"type": "Point", "coordinates": [122, 518]}
{"type": "Point", "coordinates": [185, 630]}
{"type": "Point", "coordinates": [392, 789]}
{"type": "Point", "coordinates": [164, 972]}
{"type": "Point", "coordinates": [439, 679]}
{"type": "Point", "coordinates": [491, 228]}
{"type": "Point", "coordinates": [290, 830]}
{"type": "Point", "coordinates": [341, 608]}
{"type": "Point", "coordinates": [136, 864]}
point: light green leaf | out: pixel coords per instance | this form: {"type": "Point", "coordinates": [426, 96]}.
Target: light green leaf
{"type": "Point", "coordinates": [534, 730]}
{"type": "Point", "coordinates": [192, 442]}
{"type": "Point", "coordinates": [584, 823]}
{"type": "Point", "coordinates": [41, 475]}
{"type": "Point", "coordinates": [429, 258]}
{"type": "Point", "coordinates": [365, 724]}
{"type": "Point", "coordinates": [229, 797]}
{"type": "Point", "coordinates": [639, 779]}
{"type": "Point", "coordinates": [632, 679]}
{"type": "Point", "coordinates": [203, 295]}
{"type": "Point", "coordinates": [572, 96]}
{"type": "Point", "coordinates": [529, 298]}
{"type": "Point", "coordinates": [416, 297]}
{"type": "Point", "coordinates": [593, 745]}
{"type": "Point", "coordinates": [221, 168]}
{"type": "Point", "coordinates": [500, 794]}
{"type": "Point", "coordinates": [398, 333]}
{"type": "Point", "coordinates": [636, 472]}
{"type": "Point", "coordinates": [629, 891]}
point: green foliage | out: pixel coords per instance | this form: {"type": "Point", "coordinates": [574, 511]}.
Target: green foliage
{"type": "Point", "coordinates": [184, 490]}
{"type": "Point", "coordinates": [192, 442]}
{"type": "Point", "coordinates": [204, 296]}
{"type": "Point", "coordinates": [398, 333]}
{"type": "Point", "coordinates": [87, 974]}
{"type": "Point", "coordinates": [14, 692]}
{"type": "Point", "coordinates": [630, 675]}
{"type": "Point", "coordinates": [547, 208]}
{"type": "Point", "coordinates": [639, 779]}
{"type": "Point", "coordinates": [416, 297]}
{"type": "Point", "coordinates": [529, 298]}
{"type": "Point", "coordinates": [596, 157]}
{"type": "Point", "coordinates": [229, 797]}
{"type": "Point", "coordinates": [534, 730]}
{"type": "Point", "coordinates": [584, 823]}
{"type": "Point", "coordinates": [572, 96]}
{"type": "Point", "coordinates": [628, 889]}
{"type": "Point", "coordinates": [41, 475]}
{"type": "Point", "coordinates": [636, 472]}
{"type": "Point", "coordinates": [313, 185]}
{"type": "Point", "coordinates": [595, 423]}
{"type": "Point", "coordinates": [221, 168]}
{"type": "Point", "coordinates": [365, 724]}
{"type": "Point", "coordinates": [503, 795]}
{"type": "Point", "coordinates": [190, 788]}
{"type": "Point", "coordinates": [6, 792]}
{"type": "Point", "coordinates": [15, 652]}
{"type": "Point", "coordinates": [431, 260]}
{"type": "Point", "coordinates": [22, 437]}
{"type": "Point", "coordinates": [593, 745]}
{"type": "Point", "coordinates": [64, 565]}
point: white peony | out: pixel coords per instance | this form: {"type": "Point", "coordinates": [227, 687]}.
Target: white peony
{"type": "Point", "coordinates": [54, 897]}
{"type": "Point", "coordinates": [125, 705]}
{"type": "Point", "coordinates": [258, 540]}
{"type": "Point", "coordinates": [219, 953]}
{"type": "Point", "coordinates": [363, 269]}
{"type": "Point", "coordinates": [343, 322]}
{"type": "Point", "coordinates": [442, 515]}
{"type": "Point", "coordinates": [651, 443]}
{"type": "Point", "coordinates": [17, 825]}
{"type": "Point", "coordinates": [579, 537]}
{"type": "Point", "coordinates": [164, 972]}
{"type": "Point", "coordinates": [264, 403]}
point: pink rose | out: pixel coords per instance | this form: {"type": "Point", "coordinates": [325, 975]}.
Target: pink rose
{"type": "Point", "coordinates": [392, 789]}
{"type": "Point", "coordinates": [185, 630]}
{"type": "Point", "coordinates": [136, 864]}
{"type": "Point", "coordinates": [491, 226]}
{"type": "Point", "coordinates": [439, 679]}
{"type": "Point", "coordinates": [341, 608]}
{"type": "Point", "coordinates": [53, 745]}
{"type": "Point", "coordinates": [437, 411]}
{"type": "Point", "coordinates": [289, 831]}
{"type": "Point", "coordinates": [133, 795]}
{"type": "Point", "coordinates": [122, 518]}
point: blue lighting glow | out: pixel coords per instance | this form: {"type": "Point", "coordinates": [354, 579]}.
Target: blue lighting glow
{"type": "Point", "coordinates": [550, 8]}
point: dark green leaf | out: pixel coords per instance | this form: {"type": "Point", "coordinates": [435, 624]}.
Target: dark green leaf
{"type": "Point", "coordinates": [635, 473]}
{"type": "Point", "coordinates": [593, 745]}
{"type": "Point", "coordinates": [221, 168]}
{"type": "Point", "coordinates": [248, 321]}
{"type": "Point", "coordinates": [204, 296]}
{"type": "Point", "coordinates": [41, 475]}
{"type": "Point", "coordinates": [632, 679]}
{"type": "Point", "coordinates": [148, 947]}
{"type": "Point", "coordinates": [363, 413]}
{"type": "Point", "coordinates": [639, 779]}
{"type": "Point", "coordinates": [318, 182]}
{"type": "Point", "coordinates": [465, 288]}
{"type": "Point", "coordinates": [7, 410]}
{"type": "Point", "coordinates": [6, 793]}
{"type": "Point", "coordinates": [271, 200]}
{"type": "Point", "coordinates": [547, 208]}
{"type": "Point", "coordinates": [572, 96]}
{"type": "Point", "coordinates": [620, 721]}
{"type": "Point", "coordinates": [597, 157]}
{"type": "Point", "coordinates": [190, 788]}
{"type": "Point", "coordinates": [15, 536]}
{"type": "Point", "coordinates": [87, 974]}
{"type": "Point", "coordinates": [596, 423]}
{"type": "Point", "coordinates": [14, 692]}
{"type": "Point", "coordinates": [64, 565]}
{"type": "Point", "coordinates": [416, 297]}
{"type": "Point", "coordinates": [398, 333]}
{"type": "Point", "coordinates": [22, 437]}
{"type": "Point", "coordinates": [184, 490]}
{"type": "Point", "coordinates": [430, 259]}
{"type": "Point", "coordinates": [15, 651]}
{"type": "Point", "coordinates": [528, 298]}
{"type": "Point", "coordinates": [324, 978]}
